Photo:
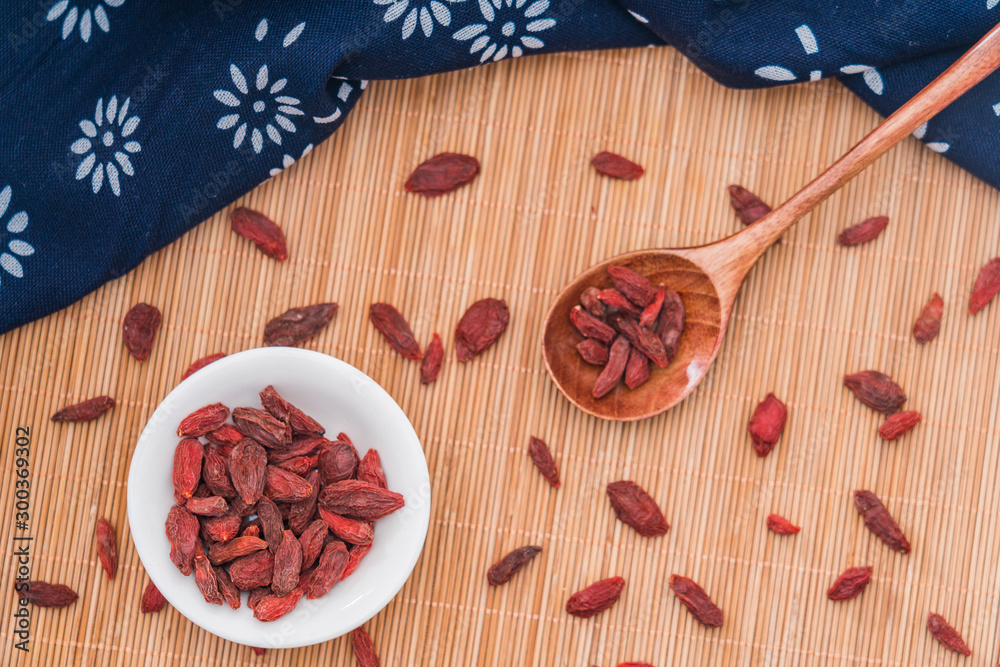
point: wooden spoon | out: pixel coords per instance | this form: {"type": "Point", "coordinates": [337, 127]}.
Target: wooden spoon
{"type": "Point", "coordinates": [708, 277]}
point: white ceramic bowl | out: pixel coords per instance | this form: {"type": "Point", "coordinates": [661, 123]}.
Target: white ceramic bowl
{"type": "Point", "coordinates": [342, 399]}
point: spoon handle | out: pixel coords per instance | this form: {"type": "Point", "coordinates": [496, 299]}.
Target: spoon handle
{"type": "Point", "coordinates": [966, 72]}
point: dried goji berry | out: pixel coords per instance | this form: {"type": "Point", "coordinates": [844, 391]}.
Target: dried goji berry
{"type": "Point", "coordinates": [748, 206]}
{"type": "Point", "coordinates": [632, 284]}
{"type": "Point", "coordinates": [287, 564]}
{"type": "Point", "coordinates": [198, 364]}
{"type": "Point", "coordinates": [441, 174]}
{"type": "Point", "coordinates": [986, 287]}
{"type": "Point", "coordinates": [139, 328]}
{"type": "Point", "coordinates": [767, 424]}
{"type": "Point", "coordinates": [282, 410]}
{"type": "Point", "coordinates": [615, 368]}
{"type": "Point", "coordinates": [589, 326]}
{"type": "Point", "coordinates": [927, 326]}
{"type": "Point", "coordinates": [480, 327]}
{"type": "Point", "coordinates": [359, 500]}
{"type": "Point", "coordinates": [876, 390]}
{"type": "Point", "coordinates": [501, 571]}
{"type": "Point", "coordinates": [44, 594]}
{"type": "Point", "coordinates": [187, 468]}
{"type": "Point", "coordinates": [697, 601]}
{"type": "Point", "coordinates": [850, 583]}
{"type": "Point", "coordinates": [273, 607]}
{"type": "Point", "coordinates": [297, 325]}
{"type": "Point", "coordinates": [899, 424]}
{"type": "Point", "coordinates": [261, 425]}
{"type": "Point", "coordinates": [396, 330]}
{"type": "Point", "coordinates": [92, 408]}
{"type": "Point", "coordinates": [541, 456]}
{"type": "Point", "coordinates": [260, 229]}
{"type": "Point", "coordinates": [880, 522]}
{"type": "Point", "coordinates": [203, 420]}
{"type": "Point", "coordinates": [597, 597]}
{"type": "Point", "coordinates": [152, 599]}
{"type": "Point", "coordinates": [780, 525]}
{"type": "Point", "coordinates": [430, 367]}
{"type": "Point", "coordinates": [635, 507]}
{"type": "Point", "coordinates": [863, 231]}
{"type": "Point", "coordinates": [946, 635]}
{"type": "Point", "coordinates": [364, 649]}
{"type": "Point", "coordinates": [593, 351]}
{"type": "Point", "coordinates": [616, 166]}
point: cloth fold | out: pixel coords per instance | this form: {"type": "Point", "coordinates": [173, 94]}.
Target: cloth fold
{"type": "Point", "coordinates": [124, 124]}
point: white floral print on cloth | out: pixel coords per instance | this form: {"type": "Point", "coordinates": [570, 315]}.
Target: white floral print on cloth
{"type": "Point", "coordinates": [344, 91]}
{"type": "Point", "coordinates": [15, 224]}
{"type": "Point", "coordinates": [936, 146]}
{"type": "Point", "coordinates": [86, 19]}
{"type": "Point", "coordinates": [511, 26]}
{"type": "Point", "coordinates": [106, 145]}
{"type": "Point", "coordinates": [288, 161]}
{"type": "Point", "coordinates": [778, 73]}
{"type": "Point", "coordinates": [418, 12]}
{"type": "Point", "coordinates": [259, 106]}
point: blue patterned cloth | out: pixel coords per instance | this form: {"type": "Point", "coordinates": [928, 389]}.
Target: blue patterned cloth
{"type": "Point", "coordinates": [124, 123]}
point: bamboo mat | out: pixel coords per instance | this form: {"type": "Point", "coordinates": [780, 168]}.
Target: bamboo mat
{"type": "Point", "coordinates": [536, 216]}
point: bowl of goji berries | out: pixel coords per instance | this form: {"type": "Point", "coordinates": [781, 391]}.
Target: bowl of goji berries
{"type": "Point", "coordinates": [278, 497]}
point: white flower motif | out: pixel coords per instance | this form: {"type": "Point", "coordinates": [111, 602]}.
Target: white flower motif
{"type": "Point", "coordinates": [344, 91]}
{"type": "Point", "coordinates": [259, 109]}
{"type": "Point", "coordinates": [778, 73]}
{"type": "Point", "coordinates": [990, 4]}
{"type": "Point", "coordinates": [288, 161]}
{"type": "Point", "coordinates": [872, 78]}
{"type": "Point", "coordinates": [98, 15]}
{"type": "Point", "coordinates": [936, 146]}
{"type": "Point", "coordinates": [417, 11]}
{"type": "Point", "coordinates": [510, 25]}
{"type": "Point", "coordinates": [638, 17]}
{"type": "Point", "coordinates": [16, 224]}
{"type": "Point", "coordinates": [102, 155]}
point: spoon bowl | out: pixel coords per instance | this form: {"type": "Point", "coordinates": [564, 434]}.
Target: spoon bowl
{"type": "Point", "coordinates": [709, 277]}
{"type": "Point", "coordinates": [703, 333]}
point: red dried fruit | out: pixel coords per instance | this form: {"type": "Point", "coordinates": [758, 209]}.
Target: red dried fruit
{"type": "Point", "coordinates": [271, 521]}
{"type": "Point", "coordinates": [441, 174]}
{"type": "Point", "coordinates": [224, 436]}
{"type": "Point", "coordinates": [247, 465]}
{"type": "Point", "coordinates": [781, 525]}
{"type": "Point", "coordinates": [615, 368]}
{"type": "Point", "coordinates": [201, 363]}
{"type": "Point", "coordinates": [644, 340]}
{"type": "Point", "coordinates": [927, 326]}
{"type": "Point", "coordinates": [300, 465]}
{"type": "Point", "coordinates": [207, 506]}
{"type": "Point", "coordinates": [230, 594]}
{"type": "Point", "coordinates": [337, 461]}
{"type": "Point", "coordinates": [541, 456]}
{"type": "Point", "coordinates": [312, 541]}
{"type": "Point", "coordinates": [364, 649]}
{"type": "Point", "coordinates": [590, 299]}
{"type": "Point", "coordinates": [203, 420]}
{"type": "Point", "coordinates": [767, 423]}
{"type": "Point", "coordinates": [501, 571]}
{"type": "Point", "coordinates": [876, 390]}
{"type": "Point", "coordinates": [651, 313]}
{"type": "Point", "coordinates": [864, 231]}
{"type": "Point", "coordinates": [223, 552]}
{"type": "Point", "coordinates": [285, 487]}
{"type": "Point", "coordinates": [187, 468]}
{"type": "Point", "coordinates": [594, 599]}
{"type": "Point", "coordinates": [359, 500]}
{"type": "Point", "coordinates": [301, 446]}
{"type": "Point", "coordinates": [215, 474]}
{"type": "Point", "coordinates": [92, 408]}
{"type": "Point", "coordinates": [850, 584]}
{"type": "Point", "coordinates": [634, 286]}
{"type": "Point", "coordinates": [593, 351]}
{"type": "Point", "coordinates": [748, 206]}
{"type": "Point", "coordinates": [589, 326]}
{"type": "Point", "coordinates": [300, 514]}
{"type": "Point", "coordinates": [282, 410]}
{"type": "Point", "coordinates": [287, 565]}
{"type": "Point", "coordinates": [204, 577]}
{"type": "Point", "coordinates": [946, 635]}
{"type": "Point", "coordinates": [253, 571]}
{"type": "Point", "coordinates": [880, 522]}
{"type": "Point", "coordinates": [273, 607]}
{"type": "Point", "coordinates": [258, 651]}
{"type": "Point", "coordinates": [354, 559]}
{"type": "Point", "coordinates": [139, 328]}
{"type": "Point", "coordinates": [430, 367]}
{"type": "Point", "coordinates": [480, 327]}
{"type": "Point", "coordinates": [370, 469]}
{"type": "Point", "coordinates": [260, 229]}
{"type": "Point", "coordinates": [255, 596]}
{"type": "Point", "coordinates": [616, 302]}
{"type": "Point", "coordinates": [635, 507]}
{"type": "Point", "coordinates": [395, 329]}
{"type": "Point", "coordinates": [107, 549]}
{"type": "Point", "coordinates": [637, 369]}
{"type": "Point", "coordinates": [697, 601]}
{"type": "Point", "coordinates": [328, 571]}
{"type": "Point", "coordinates": [899, 424]}
{"type": "Point", "coordinates": [152, 599]}
{"type": "Point", "coordinates": [670, 324]}
{"type": "Point", "coordinates": [44, 594]}
{"type": "Point", "coordinates": [986, 287]}
{"type": "Point", "coordinates": [221, 528]}
{"type": "Point", "coordinates": [297, 325]}
{"type": "Point", "coordinates": [260, 425]}
{"type": "Point", "coordinates": [348, 530]}
{"type": "Point", "coordinates": [616, 166]}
